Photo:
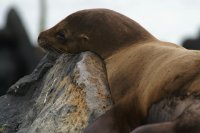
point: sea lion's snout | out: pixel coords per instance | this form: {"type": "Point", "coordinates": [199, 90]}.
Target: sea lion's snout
{"type": "Point", "coordinates": [41, 40]}
{"type": "Point", "coordinates": [48, 42]}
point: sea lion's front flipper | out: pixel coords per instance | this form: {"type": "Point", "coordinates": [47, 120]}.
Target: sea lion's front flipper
{"type": "Point", "coordinates": [115, 121]}
{"type": "Point", "coordinates": [21, 87]}
{"type": "Point", "coordinates": [164, 127]}
{"type": "Point", "coordinates": [103, 124]}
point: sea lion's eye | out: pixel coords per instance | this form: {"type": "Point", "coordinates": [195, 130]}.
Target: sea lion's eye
{"type": "Point", "coordinates": [60, 36]}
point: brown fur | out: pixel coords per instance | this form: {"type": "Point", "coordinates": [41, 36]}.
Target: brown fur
{"type": "Point", "coordinates": [141, 69]}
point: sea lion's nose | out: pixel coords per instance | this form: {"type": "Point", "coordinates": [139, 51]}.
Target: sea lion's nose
{"type": "Point", "coordinates": [41, 42]}
{"type": "Point", "coordinates": [41, 39]}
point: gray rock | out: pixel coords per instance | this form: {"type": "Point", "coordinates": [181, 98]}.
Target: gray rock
{"type": "Point", "coordinates": [65, 94]}
{"type": "Point", "coordinates": [60, 96]}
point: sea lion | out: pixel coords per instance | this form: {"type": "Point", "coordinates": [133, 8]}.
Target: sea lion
{"type": "Point", "coordinates": [141, 69]}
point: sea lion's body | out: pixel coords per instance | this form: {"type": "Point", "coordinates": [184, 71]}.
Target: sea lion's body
{"type": "Point", "coordinates": [141, 70]}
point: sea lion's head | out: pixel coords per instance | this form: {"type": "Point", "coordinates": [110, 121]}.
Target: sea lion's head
{"type": "Point", "coordinates": [99, 30]}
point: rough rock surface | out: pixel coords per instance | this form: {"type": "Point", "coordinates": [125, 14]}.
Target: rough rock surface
{"type": "Point", "coordinates": [60, 96]}
{"type": "Point", "coordinates": [65, 94]}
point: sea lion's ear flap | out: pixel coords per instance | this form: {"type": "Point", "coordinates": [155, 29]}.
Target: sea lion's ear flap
{"type": "Point", "coordinates": [83, 37]}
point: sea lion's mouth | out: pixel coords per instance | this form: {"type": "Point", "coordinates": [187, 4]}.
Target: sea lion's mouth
{"type": "Point", "coordinates": [42, 43]}
{"type": "Point", "coordinates": [47, 47]}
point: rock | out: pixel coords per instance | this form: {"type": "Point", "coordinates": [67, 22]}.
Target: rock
{"type": "Point", "coordinates": [67, 93]}
{"type": "Point", "coordinates": [22, 85]}
{"type": "Point", "coordinates": [18, 56]}
{"type": "Point", "coordinates": [192, 43]}
{"type": "Point", "coordinates": [63, 95]}
{"type": "Point", "coordinates": [176, 114]}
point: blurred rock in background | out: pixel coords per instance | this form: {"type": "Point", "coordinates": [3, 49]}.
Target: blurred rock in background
{"type": "Point", "coordinates": [18, 56]}
{"type": "Point", "coordinates": [191, 43]}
